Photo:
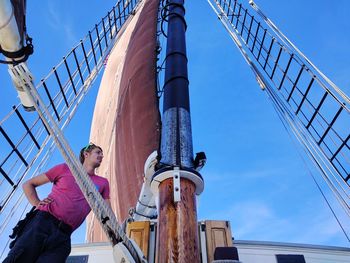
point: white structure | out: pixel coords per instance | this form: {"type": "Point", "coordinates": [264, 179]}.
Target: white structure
{"type": "Point", "coordinates": [267, 252]}
{"type": "Point", "coordinates": [91, 252]}
{"type": "Point", "coordinates": [249, 252]}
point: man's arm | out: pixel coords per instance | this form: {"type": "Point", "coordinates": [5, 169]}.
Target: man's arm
{"type": "Point", "coordinates": [30, 191]}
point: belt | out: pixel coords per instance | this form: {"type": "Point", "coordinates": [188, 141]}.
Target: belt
{"type": "Point", "coordinates": [65, 228]}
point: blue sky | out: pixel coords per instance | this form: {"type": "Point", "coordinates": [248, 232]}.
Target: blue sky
{"type": "Point", "coordinates": [254, 176]}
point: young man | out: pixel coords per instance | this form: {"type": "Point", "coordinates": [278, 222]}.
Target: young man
{"type": "Point", "coordinates": [46, 237]}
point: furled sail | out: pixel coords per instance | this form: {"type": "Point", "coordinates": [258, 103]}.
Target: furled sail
{"type": "Point", "coordinates": [15, 44]}
{"type": "Point", "coordinates": [126, 121]}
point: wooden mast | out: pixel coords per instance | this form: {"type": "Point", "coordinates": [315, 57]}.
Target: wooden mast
{"type": "Point", "coordinates": [177, 180]}
{"type": "Point", "coordinates": [177, 224]}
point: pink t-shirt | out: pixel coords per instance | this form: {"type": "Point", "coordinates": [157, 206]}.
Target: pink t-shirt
{"type": "Point", "coordinates": [69, 204]}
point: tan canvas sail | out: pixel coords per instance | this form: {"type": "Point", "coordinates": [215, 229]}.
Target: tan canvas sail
{"type": "Point", "coordinates": [126, 119]}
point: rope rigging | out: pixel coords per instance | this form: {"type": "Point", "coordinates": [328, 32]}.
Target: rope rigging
{"type": "Point", "coordinates": [287, 124]}
{"type": "Point", "coordinates": [299, 100]}
{"type": "Point", "coordinates": [95, 200]}
{"type": "Point", "coordinates": [71, 78]}
{"type": "Point", "coordinates": [288, 42]}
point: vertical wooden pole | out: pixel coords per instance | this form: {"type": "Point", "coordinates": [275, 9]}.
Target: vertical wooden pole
{"type": "Point", "coordinates": [177, 238]}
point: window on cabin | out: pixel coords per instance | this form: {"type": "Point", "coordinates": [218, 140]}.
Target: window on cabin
{"type": "Point", "coordinates": [290, 259]}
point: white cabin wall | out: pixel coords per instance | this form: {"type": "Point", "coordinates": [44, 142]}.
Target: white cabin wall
{"type": "Point", "coordinates": [252, 252]}
{"type": "Point", "coordinates": [249, 252]}
{"type": "Point", "coordinates": [96, 252]}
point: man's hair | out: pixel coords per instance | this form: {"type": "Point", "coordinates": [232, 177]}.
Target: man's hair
{"type": "Point", "coordinates": [88, 148]}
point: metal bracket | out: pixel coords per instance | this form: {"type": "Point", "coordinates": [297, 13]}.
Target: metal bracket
{"type": "Point", "coordinates": [176, 183]}
{"type": "Point", "coordinates": [160, 177]}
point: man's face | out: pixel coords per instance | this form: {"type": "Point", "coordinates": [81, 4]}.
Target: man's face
{"type": "Point", "coordinates": [94, 157]}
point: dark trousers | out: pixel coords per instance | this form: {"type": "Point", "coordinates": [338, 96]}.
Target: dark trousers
{"type": "Point", "coordinates": [44, 239]}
